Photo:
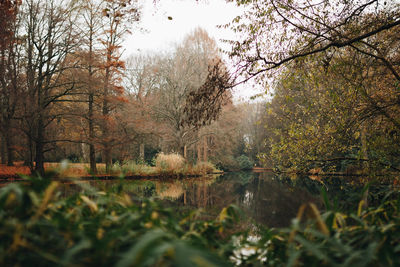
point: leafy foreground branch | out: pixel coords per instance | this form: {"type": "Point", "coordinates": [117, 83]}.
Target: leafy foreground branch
{"type": "Point", "coordinates": [39, 227]}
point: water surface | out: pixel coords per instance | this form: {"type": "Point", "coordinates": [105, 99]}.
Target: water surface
{"type": "Point", "coordinates": [263, 197]}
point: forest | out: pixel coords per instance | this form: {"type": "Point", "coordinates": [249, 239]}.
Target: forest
{"type": "Point", "coordinates": [67, 94]}
{"type": "Point", "coordinates": [330, 73]}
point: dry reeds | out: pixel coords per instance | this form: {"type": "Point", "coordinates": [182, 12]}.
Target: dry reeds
{"type": "Point", "coordinates": [169, 163]}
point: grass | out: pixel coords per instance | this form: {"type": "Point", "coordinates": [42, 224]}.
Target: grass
{"type": "Point", "coordinates": [169, 163]}
{"type": "Point", "coordinates": [165, 165]}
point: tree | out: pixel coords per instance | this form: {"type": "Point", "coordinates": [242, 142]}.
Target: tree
{"type": "Point", "coordinates": [333, 117]}
{"type": "Point", "coordinates": [310, 118]}
{"type": "Point", "coordinates": [117, 14]}
{"type": "Point", "coordinates": [142, 81]}
{"type": "Point", "coordinates": [279, 31]}
{"type": "Point", "coordinates": [91, 16]}
{"type": "Point", "coordinates": [10, 69]}
{"type": "Point", "coordinates": [50, 38]}
{"type": "Point", "coordinates": [192, 89]}
{"type": "Point", "coordinates": [225, 136]}
{"type": "Point", "coordinates": [344, 46]}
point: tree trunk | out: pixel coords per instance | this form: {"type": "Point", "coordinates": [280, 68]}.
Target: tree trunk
{"type": "Point", "coordinates": [92, 151]}
{"type": "Point", "coordinates": [108, 158]}
{"type": "Point", "coordinates": [365, 164]}
{"type": "Point", "coordinates": [364, 146]}
{"type": "Point", "coordinates": [205, 148]}
{"type": "Point", "coordinates": [106, 111]}
{"type": "Point", "coordinates": [28, 160]}
{"type": "Point", "coordinates": [199, 151]}
{"type": "Point", "coordinates": [3, 150]}
{"type": "Point", "coordinates": [9, 145]}
{"type": "Point", "coordinates": [141, 152]}
{"type": "Point", "coordinates": [39, 143]}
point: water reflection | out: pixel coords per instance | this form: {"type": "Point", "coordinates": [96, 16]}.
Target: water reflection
{"type": "Point", "coordinates": [262, 196]}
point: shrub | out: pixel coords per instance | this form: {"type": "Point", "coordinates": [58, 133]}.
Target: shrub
{"type": "Point", "coordinates": [169, 163]}
{"type": "Point", "coordinates": [225, 163]}
{"type": "Point", "coordinates": [244, 162]}
{"type": "Point", "coordinates": [204, 167]}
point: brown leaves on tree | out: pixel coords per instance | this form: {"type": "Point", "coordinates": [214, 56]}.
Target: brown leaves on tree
{"type": "Point", "coordinates": [8, 11]}
{"type": "Point", "coordinates": [204, 104]}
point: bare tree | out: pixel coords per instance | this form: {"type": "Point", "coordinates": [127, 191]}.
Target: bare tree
{"type": "Point", "coordinates": [49, 38]}
{"type": "Point", "coordinates": [194, 80]}
{"type": "Point", "coordinates": [10, 68]}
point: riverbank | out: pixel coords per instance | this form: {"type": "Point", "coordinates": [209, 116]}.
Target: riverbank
{"type": "Point", "coordinates": [128, 171]}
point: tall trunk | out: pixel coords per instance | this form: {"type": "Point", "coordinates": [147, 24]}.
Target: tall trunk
{"type": "Point", "coordinates": [39, 142]}
{"type": "Point", "coordinates": [364, 155]}
{"type": "Point", "coordinates": [3, 88]}
{"type": "Point", "coordinates": [106, 133]}
{"type": "Point", "coordinates": [182, 150]}
{"type": "Point", "coordinates": [9, 145]}
{"type": "Point", "coordinates": [3, 150]}
{"type": "Point", "coordinates": [108, 158]}
{"type": "Point", "coordinates": [29, 153]}
{"type": "Point", "coordinates": [84, 152]}
{"type": "Point", "coordinates": [106, 142]}
{"type": "Point", "coordinates": [92, 151]}
{"type": "Point", "coordinates": [364, 145]}
{"type": "Point", "coordinates": [141, 152]}
{"type": "Point", "coordinates": [199, 151]}
{"type": "Point", "coordinates": [205, 149]}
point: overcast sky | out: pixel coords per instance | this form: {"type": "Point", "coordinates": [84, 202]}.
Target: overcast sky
{"type": "Point", "coordinates": [160, 32]}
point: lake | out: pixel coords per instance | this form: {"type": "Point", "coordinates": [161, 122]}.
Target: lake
{"type": "Point", "coordinates": [264, 197]}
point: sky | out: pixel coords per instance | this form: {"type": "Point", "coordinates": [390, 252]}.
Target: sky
{"type": "Point", "coordinates": [161, 33]}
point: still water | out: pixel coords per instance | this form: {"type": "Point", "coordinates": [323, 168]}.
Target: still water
{"type": "Point", "coordinates": [263, 197]}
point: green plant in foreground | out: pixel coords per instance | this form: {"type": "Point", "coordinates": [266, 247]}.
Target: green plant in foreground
{"type": "Point", "coordinates": [369, 237]}
{"type": "Point", "coordinates": [38, 227]}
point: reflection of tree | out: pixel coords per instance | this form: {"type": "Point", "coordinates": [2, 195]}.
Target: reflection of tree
{"type": "Point", "coordinates": [197, 192]}
{"type": "Point", "coordinates": [271, 202]}
{"type": "Point", "coordinates": [264, 197]}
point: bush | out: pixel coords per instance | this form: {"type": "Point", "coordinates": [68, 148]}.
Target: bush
{"type": "Point", "coordinates": [244, 162]}
{"type": "Point", "coordinates": [225, 163]}
{"type": "Point", "coordinates": [169, 163]}
{"type": "Point", "coordinates": [204, 167]}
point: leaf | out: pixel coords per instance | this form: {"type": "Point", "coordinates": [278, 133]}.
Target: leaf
{"type": "Point", "coordinates": [92, 205]}
{"type": "Point", "coordinates": [45, 200]}
{"type": "Point", "coordinates": [72, 252]}
{"type": "Point", "coordinates": [143, 249]}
